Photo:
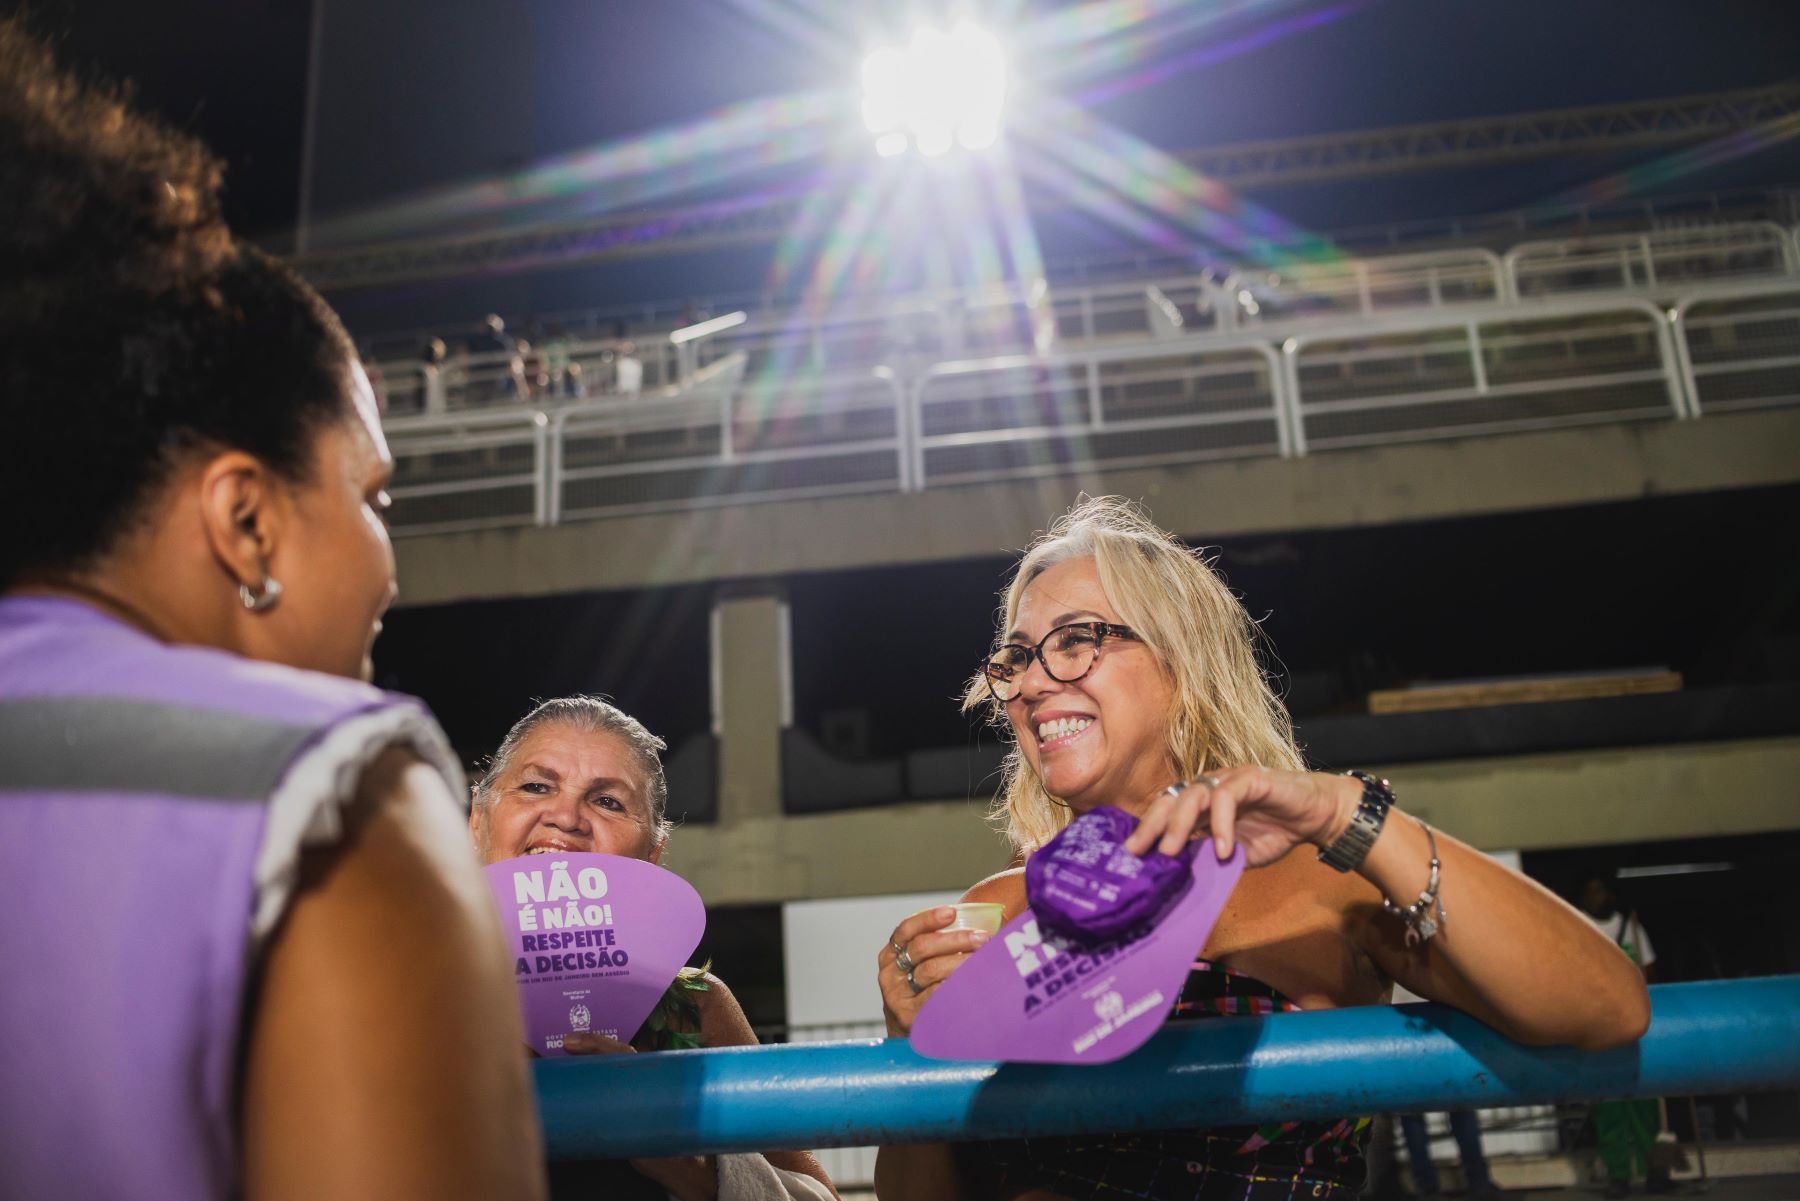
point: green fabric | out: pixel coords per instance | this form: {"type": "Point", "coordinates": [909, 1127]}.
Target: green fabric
{"type": "Point", "coordinates": [1626, 1130]}
{"type": "Point", "coordinates": [674, 1025]}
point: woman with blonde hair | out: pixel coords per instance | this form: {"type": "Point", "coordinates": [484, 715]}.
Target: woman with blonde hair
{"type": "Point", "coordinates": [1126, 673]}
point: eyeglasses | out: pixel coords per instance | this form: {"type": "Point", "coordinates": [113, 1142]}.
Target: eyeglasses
{"type": "Point", "coordinates": [1067, 653]}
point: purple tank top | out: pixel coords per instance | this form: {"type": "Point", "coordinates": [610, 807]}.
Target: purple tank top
{"type": "Point", "coordinates": [154, 801]}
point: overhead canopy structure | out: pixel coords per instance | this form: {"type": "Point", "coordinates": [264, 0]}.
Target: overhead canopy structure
{"type": "Point", "coordinates": [1322, 158]}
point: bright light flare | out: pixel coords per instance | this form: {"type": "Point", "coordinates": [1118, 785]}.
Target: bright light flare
{"type": "Point", "coordinates": [941, 90]}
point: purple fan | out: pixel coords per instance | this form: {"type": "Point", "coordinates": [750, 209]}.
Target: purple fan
{"type": "Point", "coordinates": [595, 940]}
{"type": "Point", "coordinates": [1084, 884]}
{"type": "Point", "coordinates": [1032, 995]}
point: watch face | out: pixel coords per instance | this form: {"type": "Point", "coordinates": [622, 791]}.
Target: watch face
{"type": "Point", "coordinates": [1353, 844]}
{"type": "Point", "coordinates": [1375, 790]}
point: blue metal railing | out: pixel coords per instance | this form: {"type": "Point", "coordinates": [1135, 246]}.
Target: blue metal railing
{"type": "Point", "coordinates": [1718, 1036]}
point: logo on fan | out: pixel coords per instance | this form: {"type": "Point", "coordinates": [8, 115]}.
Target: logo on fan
{"type": "Point", "coordinates": [579, 1017]}
{"type": "Point", "coordinates": [1110, 1007]}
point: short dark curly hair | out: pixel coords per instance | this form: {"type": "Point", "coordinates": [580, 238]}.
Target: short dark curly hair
{"type": "Point", "coordinates": [134, 327]}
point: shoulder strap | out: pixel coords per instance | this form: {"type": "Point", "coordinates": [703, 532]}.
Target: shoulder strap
{"type": "Point", "coordinates": [134, 745]}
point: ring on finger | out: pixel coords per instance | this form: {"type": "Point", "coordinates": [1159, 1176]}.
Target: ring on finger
{"type": "Point", "coordinates": [905, 963]}
{"type": "Point", "coordinates": [898, 947]}
{"type": "Point", "coordinates": [912, 983]}
{"type": "Point", "coordinates": [1175, 790]}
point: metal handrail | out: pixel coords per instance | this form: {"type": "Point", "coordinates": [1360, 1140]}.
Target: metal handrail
{"type": "Point", "coordinates": [1718, 1036]}
{"type": "Point", "coordinates": [1088, 361]}
{"type": "Point", "coordinates": [1679, 321]}
{"type": "Point", "coordinates": [1360, 276]}
{"type": "Point", "coordinates": [717, 384]}
{"type": "Point", "coordinates": [1189, 359]}
{"type": "Point", "coordinates": [1645, 250]}
{"type": "Point", "coordinates": [1233, 302]}
{"type": "Point", "coordinates": [1470, 327]}
{"type": "Point", "coordinates": [660, 314]}
{"type": "Point", "coordinates": [492, 428]}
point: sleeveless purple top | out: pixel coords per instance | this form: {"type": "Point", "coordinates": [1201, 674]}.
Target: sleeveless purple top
{"type": "Point", "coordinates": [154, 803]}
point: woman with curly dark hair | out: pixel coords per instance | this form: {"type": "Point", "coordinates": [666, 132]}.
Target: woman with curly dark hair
{"type": "Point", "coordinates": [246, 949]}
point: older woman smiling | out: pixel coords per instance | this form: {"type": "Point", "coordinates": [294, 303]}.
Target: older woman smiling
{"type": "Point", "coordinates": [575, 774]}
{"type": "Point", "coordinates": [579, 774]}
{"type": "Point", "coordinates": [1127, 676]}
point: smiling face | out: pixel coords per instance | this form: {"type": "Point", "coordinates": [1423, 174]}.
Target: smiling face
{"type": "Point", "coordinates": [567, 789]}
{"type": "Point", "coordinates": [1100, 740]}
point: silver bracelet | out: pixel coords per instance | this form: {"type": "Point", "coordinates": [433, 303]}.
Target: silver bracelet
{"type": "Point", "coordinates": [1425, 916]}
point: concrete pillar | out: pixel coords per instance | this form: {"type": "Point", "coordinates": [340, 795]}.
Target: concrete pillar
{"type": "Point", "coordinates": [752, 701]}
{"type": "Point", "coordinates": [754, 854]}
{"type": "Point", "coordinates": [743, 857]}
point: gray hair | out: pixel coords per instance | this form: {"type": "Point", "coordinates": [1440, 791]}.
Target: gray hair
{"type": "Point", "coordinates": [593, 715]}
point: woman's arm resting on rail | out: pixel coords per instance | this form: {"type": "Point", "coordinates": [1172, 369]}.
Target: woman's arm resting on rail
{"type": "Point", "coordinates": [1509, 952]}
{"type": "Point", "coordinates": [773, 1175]}
{"type": "Point", "coordinates": [723, 1024]}
{"type": "Point", "coordinates": [684, 1177]}
{"type": "Point", "coordinates": [928, 1171]}
{"type": "Point", "coordinates": [382, 1055]}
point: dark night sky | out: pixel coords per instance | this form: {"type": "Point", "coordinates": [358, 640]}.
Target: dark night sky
{"type": "Point", "coordinates": [231, 71]}
{"type": "Point", "coordinates": [564, 73]}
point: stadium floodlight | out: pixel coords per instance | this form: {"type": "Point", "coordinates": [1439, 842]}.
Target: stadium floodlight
{"type": "Point", "coordinates": [940, 90]}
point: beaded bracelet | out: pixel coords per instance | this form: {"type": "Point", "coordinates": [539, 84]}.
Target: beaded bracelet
{"type": "Point", "coordinates": [1421, 924]}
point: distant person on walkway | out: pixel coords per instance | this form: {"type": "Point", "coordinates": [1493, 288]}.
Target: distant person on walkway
{"type": "Point", "coordinates": [1625, 1130]}
{"type": "Point", "coordinates": [575, 382]}
{"type": "Point", "coordinates": [499, 356]}
{"type": "Point", "coordinates": [553, 354]}
{"type": "Point", "coordinates": [493, 338]}
{"type": "Point", "coordinates": [628, 371]}
{"type": "Point", "coordinates": [434, 396]}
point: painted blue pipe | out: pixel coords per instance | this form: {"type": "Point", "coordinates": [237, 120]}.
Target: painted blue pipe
{"type": "Point", "coordinates": [1718, 1036]}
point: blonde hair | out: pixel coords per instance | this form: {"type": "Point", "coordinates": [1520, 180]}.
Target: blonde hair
{"type": "Point", "coordinates": [1224, 714]}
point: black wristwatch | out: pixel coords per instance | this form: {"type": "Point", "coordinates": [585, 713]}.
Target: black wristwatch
{"type": "Point", "coordinates": [1352, 846]}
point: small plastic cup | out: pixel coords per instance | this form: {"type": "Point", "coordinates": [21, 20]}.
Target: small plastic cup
{"type": "Point", "coordinates": [977, 915]}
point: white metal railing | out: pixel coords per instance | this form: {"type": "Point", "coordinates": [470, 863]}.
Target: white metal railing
{"type": "Point", "coordinates": [1035, 317]}
{"type": "Point", "coordinates": [1495, 230]}
{"type": "Point", "coordinates": [1740, 350]}
{"type": "Point", "coordinates": [954, 325]}
{"type": "Point", "coordinates": [1206, 396]}
{"type": "Point", "coordinates": [535, 374]}
{"type": "Point", "coordinates": [1366, 286]}
{"type": "Point", "coordinates": [470, 470]}
{"type": "Point", "coordinates": [1287, 388]}
{"type": "Point", "coordinates": [1655, 260]}
{"type": "Point", "coordinates": [725, 440]}
{"type": "Point", "coordinates": [1513, 369]}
